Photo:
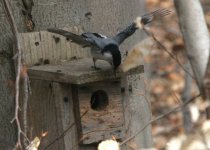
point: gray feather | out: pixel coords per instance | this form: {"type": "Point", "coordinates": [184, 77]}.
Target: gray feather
{"type": "Point", "coordinates": [78, 39]}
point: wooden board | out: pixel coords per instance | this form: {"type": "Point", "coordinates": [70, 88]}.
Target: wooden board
{"type": "Point", "coordinates": [41, 46]}
{"type": "Point", "coordinates": [49, 112]}
{"type": "Point", "coordinates": [41, 114]}
{"type": "Point", "coordinates": [103, 124]}
{"type": "Point", "coordinates": [76, 72]}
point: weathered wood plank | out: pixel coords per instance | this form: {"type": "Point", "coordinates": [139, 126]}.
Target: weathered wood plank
{"type": "Point", "coordinates": [49, 43]}
{"type": "Point", "coordinates": [76, 72]}
{"type": "Point", "coordinates": [26, 46]}
{"type": "Point", "coordinates": [41, 114]}
{"type": "Point", "coordinates": [51, 110]}
{"type": "Point", "coordinates": [103, 124]}
{"type": "Point", "coordinates": [34, 57]}
{"type": "Point", "coordinates": [38, 46]}
{"type": "Point", "coordinates": [65, 115]}
{"type": "Point", "coordinates": [63, 49]}
{"type": "Point", "coordinates": [76, 110]}
{"type": "Point", "coordinates": [43, 45]}
{"type": "Point", "coordinates": [136, 110]}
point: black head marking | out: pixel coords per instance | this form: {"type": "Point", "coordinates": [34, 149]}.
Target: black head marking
{"type": "Point", "coordinates": [114, 50]}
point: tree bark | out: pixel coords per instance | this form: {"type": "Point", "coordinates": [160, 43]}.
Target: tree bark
{"type": "Point", "coordinates": [186, 94]}
{"type": "Point", "coordinates": [7, 75]}
{"type": "Point", "coordinates": [196, 36]}
{"type": "Point", "coordinates": [104, 16]}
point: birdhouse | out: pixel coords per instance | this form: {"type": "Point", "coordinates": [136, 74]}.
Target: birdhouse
{"type": "Point", "coordinates": [75, 104]}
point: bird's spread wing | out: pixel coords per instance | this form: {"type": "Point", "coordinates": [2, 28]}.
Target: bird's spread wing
{"type": "Point", "coordinates": [157, 14]}
{"type": "Point", "coordinates": [78, 39]}
{"type": "Point", "coordinates": [121, 36]}
{"type": "Point", "coordinates": [139, 22]}
{"type": "Point", "coordinates": [100, 35]}
{"type": "Point", "coordinates": [98, 40]}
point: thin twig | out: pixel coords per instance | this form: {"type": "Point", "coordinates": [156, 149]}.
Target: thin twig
{"type": "Point", "coordinates": [149, 33]}
{"type": "Point", "coordinates": [18, 67]}
{"type": "Point", "coordinates": [64, 132]}
{"type": "Point", "coordinates": [25, 103]}
{"type": "Point", "coordinates": [158, 118]}
{"type": "Point", "coordinates": [26, 138]}
{"type": "Point", "coordinates": [26, 92]}
{"type": "Point", "coordinates": [177, 98]}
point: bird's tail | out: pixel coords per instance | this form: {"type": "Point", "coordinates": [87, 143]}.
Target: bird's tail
{"type": "Point", "coordinates": [148, 18]}
{"type": "Point", "coordinates": [71, 36]}
{"type": "Point", "coordinates": [58, 31]}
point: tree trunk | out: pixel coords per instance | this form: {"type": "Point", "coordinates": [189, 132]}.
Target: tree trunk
{"type": "Point", "coordinates": [186, 95]}
{"type": "Point", "coordinates": [196, 36]}
{"type": "Point", "coordinates": [103, 16]}
{"type": "Point", "coordinates": [7, 75]}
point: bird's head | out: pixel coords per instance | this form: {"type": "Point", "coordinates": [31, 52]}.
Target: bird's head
{"type": "Point", "coordinates": [115, 52]}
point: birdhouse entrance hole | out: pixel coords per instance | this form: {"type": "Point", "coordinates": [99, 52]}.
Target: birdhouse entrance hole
{"type": "Point", "coordinates": [99, 100]}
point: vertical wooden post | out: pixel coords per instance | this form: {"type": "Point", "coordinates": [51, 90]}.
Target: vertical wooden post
{"type": "Point", "coordinates": [65, 115]}
{"type": "Point", "coordinates": [76, 110]}
{"type": "Point", "coordinates": [51, 110]}
{"type": "Point", "coordinates": [136, 111]}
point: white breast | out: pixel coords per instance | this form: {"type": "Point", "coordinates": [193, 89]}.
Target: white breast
{"type": "Point", "coordinates": [105, 56]}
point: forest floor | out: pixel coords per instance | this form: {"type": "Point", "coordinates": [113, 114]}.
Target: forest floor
{"type": "Point", "coordinates": [168, 78]}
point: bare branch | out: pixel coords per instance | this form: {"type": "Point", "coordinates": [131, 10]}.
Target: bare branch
{"type": "Point", "coordinates": [160, 117]}
{"type": "Point", "coordinates": [26, 87]}
{"type": "Point", "coordinates": [18, 67]}
{"type": "Point", "coordinates": [149, 33]}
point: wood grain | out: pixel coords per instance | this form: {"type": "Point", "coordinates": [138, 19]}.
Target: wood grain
{"type": "Point", "coordinates": [42, 45]}
{"type": "Point", "coordinates": [49, 112]}
{"type": "Point", "coordinates": [103, 124]}
{"type": "Point", "coordinates": [77, 72]}
{"type": "Point", "coordinates": [41, 114]}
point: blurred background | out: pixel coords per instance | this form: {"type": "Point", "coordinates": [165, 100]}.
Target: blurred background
{"type": "Point", "coordinates": [168, 80]}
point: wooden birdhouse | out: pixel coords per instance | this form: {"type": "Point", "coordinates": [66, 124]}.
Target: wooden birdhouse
{"type": "Point", "coordinates": [76, 105]}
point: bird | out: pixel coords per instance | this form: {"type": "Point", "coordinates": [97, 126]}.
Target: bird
{"type": "Point", "coordinates": [107, 48]}
{"type": "Point", "coordinates": [133, 58]}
